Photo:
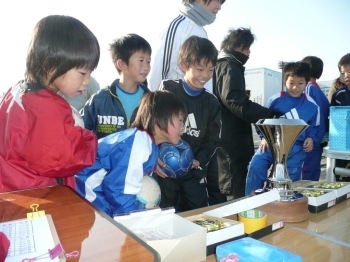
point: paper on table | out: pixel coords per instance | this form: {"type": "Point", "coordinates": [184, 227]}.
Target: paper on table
{"type": "Point", "coordinates": [30, 238]}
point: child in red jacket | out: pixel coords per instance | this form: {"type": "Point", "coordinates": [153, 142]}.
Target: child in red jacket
{"type": "Point", "coordinates": [41, 139]}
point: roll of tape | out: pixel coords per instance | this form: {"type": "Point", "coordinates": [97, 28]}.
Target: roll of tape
{"type": "Point", "coordinates": [253, 220]}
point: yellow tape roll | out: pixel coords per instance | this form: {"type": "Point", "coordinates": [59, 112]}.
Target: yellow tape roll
{"type": "Point", "coordinates": [253, 220]}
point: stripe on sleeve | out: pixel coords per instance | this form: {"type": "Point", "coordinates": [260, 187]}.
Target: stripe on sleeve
{"type": "Point", "coordinates": [169, 43]}
{"type": "Point", "coordinates": [92, 182]}
{"type": "Point", "coordinates": [139, 154]}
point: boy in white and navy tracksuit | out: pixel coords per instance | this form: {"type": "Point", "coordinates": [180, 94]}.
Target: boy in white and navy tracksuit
{"type": "Point", "coordinates": [191, 21]}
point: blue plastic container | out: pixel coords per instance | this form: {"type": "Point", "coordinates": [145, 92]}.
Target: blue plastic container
{"type": "Point", "coordinates": [339, 128]}
{"type": "Point", "coordinates": [250, 250]}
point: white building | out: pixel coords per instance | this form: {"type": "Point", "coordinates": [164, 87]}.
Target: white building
{"type": "Point", "coordinates": [325, 86]}
{"type": "Point", "coordinates": [262, 83]}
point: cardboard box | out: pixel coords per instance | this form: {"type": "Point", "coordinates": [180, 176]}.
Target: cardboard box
{"type": "Point", "coordinates": [342, 193]}
{"type": "Point", "coordinates": [322, 202]}
{"type": "Point", "coordinates": [233, 229]}
{"type": "Point", "coordinates": [230, 211]}
{"type": "Point", "coordinates": [274, 223]}
{"type": "Point", "coordinates": [173, 237]}
{"type": "Point", "coordinates": [245, 204]}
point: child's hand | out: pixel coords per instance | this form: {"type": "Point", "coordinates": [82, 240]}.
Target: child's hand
{"type": "Point", "coordinates": [308, 144]}
{"type": "Point", "coordinates": [263, 145]}
{"type": "Point", "coordinates": [195, 164]}
{"type": "Point", "coordinates": [158, 170]}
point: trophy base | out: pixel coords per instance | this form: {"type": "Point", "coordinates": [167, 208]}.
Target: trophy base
{"type": "Point", "coordinates": [291, 211]}
{"type": "Point", "coordinates": [284, 188]}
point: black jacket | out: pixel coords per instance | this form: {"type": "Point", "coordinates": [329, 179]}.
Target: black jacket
{"type": "Point", "coordinates": [341, 97]}
{"type": "Point", "coordinates": [238, 113]}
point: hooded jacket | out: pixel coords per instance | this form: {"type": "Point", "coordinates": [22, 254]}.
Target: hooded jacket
{"type": "Point", "coordinates": [40, 140]}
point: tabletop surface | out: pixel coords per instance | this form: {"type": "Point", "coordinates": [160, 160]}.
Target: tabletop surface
{"type": "Point", "coordinates": [79, 226]}
{"type": "Point", "coordinates": [325, 236]}
{"type": "Point", "coordinates": [339, 154]}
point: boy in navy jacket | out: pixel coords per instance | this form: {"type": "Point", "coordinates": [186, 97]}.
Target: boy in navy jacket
{"type": "Point", "coordinates": [113, 108]}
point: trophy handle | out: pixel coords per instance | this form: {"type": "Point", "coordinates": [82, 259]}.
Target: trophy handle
{"type": "Point", "coordinates": [260, 121]}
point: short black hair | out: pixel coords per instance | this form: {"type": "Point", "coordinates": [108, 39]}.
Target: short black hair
{"type": "Point", "coordinates": [300, 69]}
{"type": "Point", "coordinates": [207, 2]}
{"type": "Point", "coordinates": [58, 44]}
{"type": "Point", "coordinates": [345, 60]}
{"type": "Point", "coordinates": [236, 38]}
{"type": "Point", "coordinates": [124, 47]}
{"type": "Point", "coordinates": [158, 108]}
{"type": "Point", "coordinates": [316, 65]}
{"type": "Point", "coordinates": [196, 49]}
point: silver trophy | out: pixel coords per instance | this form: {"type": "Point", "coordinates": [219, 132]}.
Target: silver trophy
{"type": "Point", "coordinates": [280, 135]}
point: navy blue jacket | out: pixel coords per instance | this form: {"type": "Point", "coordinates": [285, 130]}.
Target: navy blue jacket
{"type": "Point", "coordinates": [104, 113]}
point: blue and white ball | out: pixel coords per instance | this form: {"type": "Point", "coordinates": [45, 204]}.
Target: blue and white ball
{"type": "Point", "coordinates": [177, 158]}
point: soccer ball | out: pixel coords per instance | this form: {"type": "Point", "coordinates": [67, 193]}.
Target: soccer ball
{"type": "Point", "coordinates": [150, 193]}
{"type": "Point", "coordinates": [178, 158]}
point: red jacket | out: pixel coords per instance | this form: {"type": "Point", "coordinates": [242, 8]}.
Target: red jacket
{"type": "Point", "coordinates": [39, 140]}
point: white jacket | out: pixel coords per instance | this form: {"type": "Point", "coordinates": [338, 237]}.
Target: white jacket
{"type": "Point", "coordinates": [165, 59]}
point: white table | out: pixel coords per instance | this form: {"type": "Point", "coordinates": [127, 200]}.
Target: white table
{"type": "Point", "coordinates": [332, 155]}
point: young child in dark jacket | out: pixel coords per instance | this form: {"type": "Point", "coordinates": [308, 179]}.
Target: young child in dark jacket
{"type": "Point", "coordinates": [197, 59]}
{"type": "Point", "coordinates": [114, 108]}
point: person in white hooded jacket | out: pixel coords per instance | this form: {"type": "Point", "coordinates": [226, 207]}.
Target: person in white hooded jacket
{"type": "Point", "coordinates": [194, 15]}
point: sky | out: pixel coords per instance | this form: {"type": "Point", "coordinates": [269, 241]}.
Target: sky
{"type": "Point", "coordinates": [285, 30]}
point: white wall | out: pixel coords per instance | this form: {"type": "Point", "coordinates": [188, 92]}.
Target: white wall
{"type": "Point", "coordinates": [263, 83]}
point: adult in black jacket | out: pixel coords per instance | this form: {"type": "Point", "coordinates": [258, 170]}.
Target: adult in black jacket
{"type": "Point", "coordinates": [238, 113]}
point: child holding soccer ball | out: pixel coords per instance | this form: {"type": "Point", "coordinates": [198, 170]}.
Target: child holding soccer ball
{"type": "Point", "coordinates": [123, 158]}
{"type": "Point", "coordinates": [197, 59]}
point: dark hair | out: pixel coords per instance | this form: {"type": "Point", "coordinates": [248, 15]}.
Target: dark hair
{"type": "Point", "coordinates": [197, 49]}
{"type": "Point", "coordinates": [300, 69]}
{"type": "Point", "coordinates": [207, 2]}
{"type": "Point", "coordinates": [124, 47]}
{"type": "Point", "coordinates": [60, 43]}
{"type": "Point", "coordinates": [345, 60]}
{"type": "Point", "coordinates": [241, 37]}
{"type": "Point", "coordinates": [316, 65]}
{"type": "Point", "coordinates": [158, 108]}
